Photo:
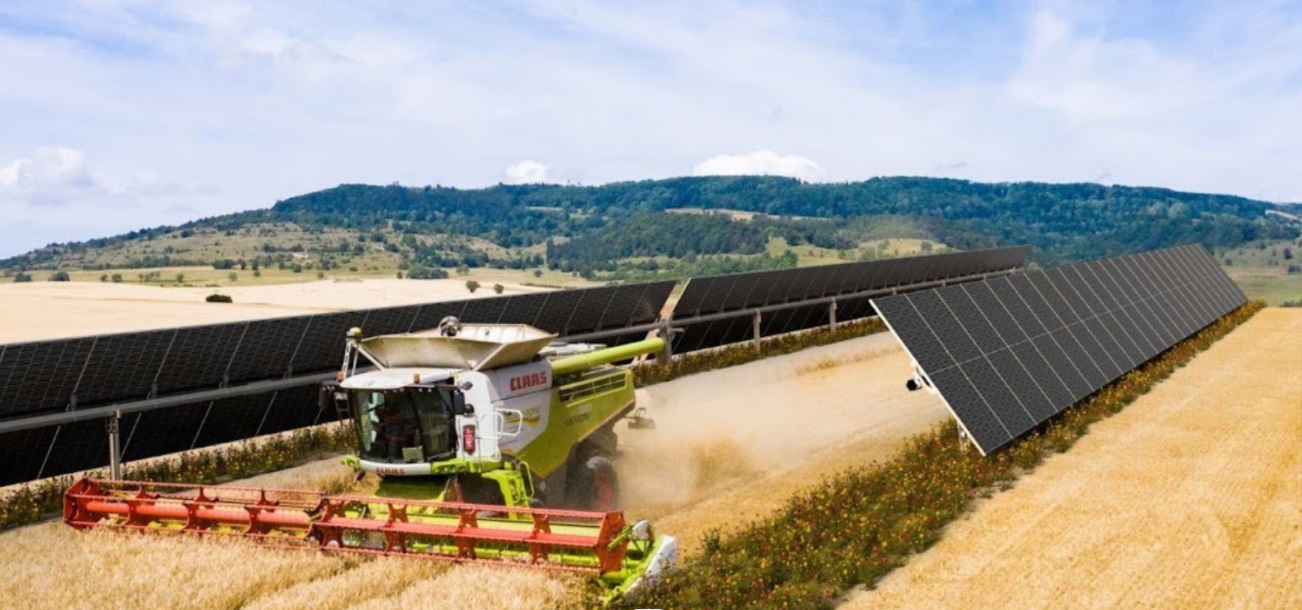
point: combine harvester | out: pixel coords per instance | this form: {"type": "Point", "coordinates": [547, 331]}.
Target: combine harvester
{"type": "Point", "coordinates": [471, 429]}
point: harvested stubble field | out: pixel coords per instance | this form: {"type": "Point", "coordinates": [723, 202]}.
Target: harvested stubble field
{"type": "Point", "coordinates": [730, 446]}
{"type": "Point", "coordinates": [1189, 498]}
{"type": "Point", "coordinates": [40, 311]}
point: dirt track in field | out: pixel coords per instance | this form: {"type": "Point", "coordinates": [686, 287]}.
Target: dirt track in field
{"type": "Point", "coordinates": [1189, 498]}
{"type": "Point", "coordinates": [730, 446]}
{"type": "Point", "coordinates": [733, 445]}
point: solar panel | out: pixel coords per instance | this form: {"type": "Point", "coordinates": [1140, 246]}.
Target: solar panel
{"type": "Point", "coordinates": [733, 292]}
{"type": "Point", "coordinates": [1008, 353]}
{"type": "Point", "coordinates": [44, 377]}
{"type": "Point", "coordinates": [739, 292]}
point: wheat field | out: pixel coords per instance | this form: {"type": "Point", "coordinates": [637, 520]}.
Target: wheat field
{"type": "Point", "coordinates": [1189, 498]}
{"type": "Point", "coordinates": [700, 469]}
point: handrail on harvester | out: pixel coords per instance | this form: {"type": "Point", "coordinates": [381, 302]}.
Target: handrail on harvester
{"type": "Point", "coordinates": [594, 542]}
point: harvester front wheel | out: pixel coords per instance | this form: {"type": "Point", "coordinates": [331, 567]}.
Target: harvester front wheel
{"type": "Point", "coordinates": [594, 485]}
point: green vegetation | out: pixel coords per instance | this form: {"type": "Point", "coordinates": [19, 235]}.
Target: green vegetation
{"type": "Point", "coordinates": [855, 528]}
{"type": "Point", "coordinates": [219, 298]}
{"type": "Point", "coordinates": [639, 229]}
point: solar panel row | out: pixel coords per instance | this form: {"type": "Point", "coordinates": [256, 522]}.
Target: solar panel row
{"type": "Point", "coordinates": [55, 450]}
{"type": "Point", "coordinates": [719, 294]}
{"type": "Point", "coordinates": [39, 378]}
{"type": "Point", "coordinates": [1008, 353]}
{"type": "Point", "coordinates": [75, 373]}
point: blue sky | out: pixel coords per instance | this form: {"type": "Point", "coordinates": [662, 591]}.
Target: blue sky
{"type": "Point", "coordinates": [131, 113]}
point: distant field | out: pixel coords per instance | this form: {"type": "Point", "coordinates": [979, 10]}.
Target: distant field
{"type": "Point", "coordinates": [47, 310]}
{"type": "Point", "coordinates": [1267, 284]}
{"type": "Point", "coordinates": [208, 277]}
{"type": "Point", "coordinates": [809, 256]}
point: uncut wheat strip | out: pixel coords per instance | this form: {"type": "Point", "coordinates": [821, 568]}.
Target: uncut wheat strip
{"type": "Point", "coordinates": [473, 586]}
{"type": "Point", "coordinates": [368, 580]}
{"type": "Point", "coordinates": [53, 566]}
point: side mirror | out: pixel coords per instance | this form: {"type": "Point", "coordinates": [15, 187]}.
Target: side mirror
{"type": "Point", "coordinates": [459, 406]}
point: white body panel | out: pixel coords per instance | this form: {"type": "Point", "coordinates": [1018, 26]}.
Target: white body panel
{"type": "Point", "coordinates": [511, 406]}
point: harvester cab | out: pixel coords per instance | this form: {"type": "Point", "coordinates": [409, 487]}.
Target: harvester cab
{"type": "Point", "coordinates": [488, 413]}
{"type": "Point", "coordinates": [472, 429]}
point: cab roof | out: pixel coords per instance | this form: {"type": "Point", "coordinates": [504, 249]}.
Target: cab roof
{"type": "Point", "coordinates": [396, 378]}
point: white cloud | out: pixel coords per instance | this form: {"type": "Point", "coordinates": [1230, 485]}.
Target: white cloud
{"type": "Point", "coordinates": [761, 163]}
{"type": "Point", "coordinates": [55, 195]}
{"type": "Point", "coordinates": [272, 100]}
{"type": "Point", "coordinates": [526, 172]}
{"type": "Point", "coordinates": [1091, 78]}
{"type": "Point", "coordinates": [46, 175]}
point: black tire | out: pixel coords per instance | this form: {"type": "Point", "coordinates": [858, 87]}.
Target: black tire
{"type": "Point", "coordinates": [593, 484]}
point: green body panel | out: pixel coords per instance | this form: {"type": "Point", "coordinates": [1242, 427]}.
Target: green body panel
{"type": "Point", "coordinates": [578, 408]}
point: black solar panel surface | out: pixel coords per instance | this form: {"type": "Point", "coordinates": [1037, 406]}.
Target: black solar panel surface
{"type": "Point", "coordinates": [1008, 353]}
{"type": "Point", "coordinates": [81, 446]}
{"type": "Point", "coordinates": [45, 377]}
{"type": "Point", "coordinates": [725, 293]}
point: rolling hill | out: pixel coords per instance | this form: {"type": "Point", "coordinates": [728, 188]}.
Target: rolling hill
{"type": "Point", "coordinates": [627, 231]}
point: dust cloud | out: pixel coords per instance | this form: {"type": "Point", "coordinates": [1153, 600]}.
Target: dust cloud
{"type": "Point", "coordinates": [731, 445]}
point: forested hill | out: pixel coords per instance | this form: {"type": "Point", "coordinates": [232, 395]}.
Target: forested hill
{"type": "Point", "coordinates": [584, 229]}
{"type": "Point", "coordinates": [1063, 221]}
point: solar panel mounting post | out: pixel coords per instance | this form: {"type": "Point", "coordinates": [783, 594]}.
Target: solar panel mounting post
{"type": "Point", "coordinates": [666, 332]}
{"type": "Point", "coordinates": [831, 315]}
{"type": "Point", "coordinates": [755, 328]}
{"type": "Point", "coordinates": [113, 426]}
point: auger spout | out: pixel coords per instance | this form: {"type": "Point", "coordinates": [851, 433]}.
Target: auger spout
{"type": "Point", "coordinates": [574, 364]}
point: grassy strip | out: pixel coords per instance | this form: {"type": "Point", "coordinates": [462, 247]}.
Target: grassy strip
{"type": "Point", "coordinates": [33, 502]}
{"type": "Point", "coordinates": [856, 527]}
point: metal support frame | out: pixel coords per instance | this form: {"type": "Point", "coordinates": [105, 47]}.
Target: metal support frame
{"type": "Point", "coordinates": [666, 332]}
{"type": "Point", "coordinates": [67, 417]}
{"type": "Point", "coordinates": [756, 330]}
{"type": "Point", "coordinates": [737, 313]}
{"type": "Point", "coordinates": [831, 315]}
{"type": "Point", "coordinates": [113, 426]}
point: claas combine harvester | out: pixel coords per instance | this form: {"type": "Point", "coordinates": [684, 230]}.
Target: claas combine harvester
{"type": "Point", "coordinates": [492, 444]}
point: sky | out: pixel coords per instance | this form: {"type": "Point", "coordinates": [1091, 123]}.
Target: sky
{"type": "Point", "coordinates": [117, 115]}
